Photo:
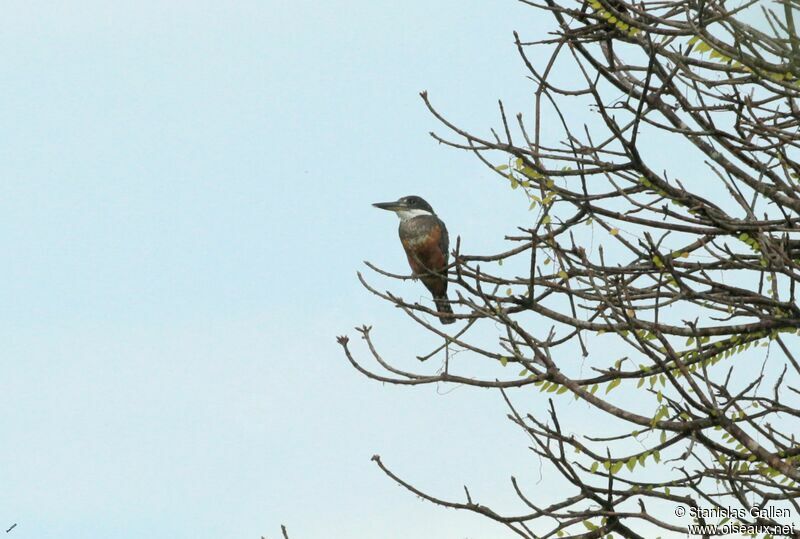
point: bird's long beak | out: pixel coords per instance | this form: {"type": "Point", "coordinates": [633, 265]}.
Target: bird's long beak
{"type": "Point", "coordinates": [391, 206]}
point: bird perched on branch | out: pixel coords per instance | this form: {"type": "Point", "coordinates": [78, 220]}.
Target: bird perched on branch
{"type": "Point", "coordinates": [424, 238]}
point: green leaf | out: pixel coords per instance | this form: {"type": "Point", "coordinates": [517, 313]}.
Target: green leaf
{"type": "Point", "coordinates": [614, 383]}
{"type": "Point", "coordinates": [594, 467]}
{"type": "Point", "coordinates": [503, 361]}
{"type": "Point", "coordinates": [530, 173]}
{"type": "Point", "coordinates": [631, 464]}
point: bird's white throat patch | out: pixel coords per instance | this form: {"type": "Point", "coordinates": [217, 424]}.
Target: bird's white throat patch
{"type": "Point", "coordinates": [409, 214]}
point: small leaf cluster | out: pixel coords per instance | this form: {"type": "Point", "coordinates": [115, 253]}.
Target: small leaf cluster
{"type": "Point", "coordinates": [703, 47]}
{"type": "Point", "coordinates": [614, 466]}
{"type": "Point", "coordinates": [612, 19]}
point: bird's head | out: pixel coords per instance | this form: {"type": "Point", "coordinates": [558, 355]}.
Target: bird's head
{"type": "Point", "coordinates": [407, 207]}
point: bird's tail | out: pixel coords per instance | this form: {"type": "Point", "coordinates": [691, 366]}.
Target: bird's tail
{"type": "Point", "coordinates": [445, 310]}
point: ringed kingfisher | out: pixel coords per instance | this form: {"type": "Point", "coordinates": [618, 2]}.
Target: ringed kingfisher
{"type": "Point", "coordinates": [425, 241]}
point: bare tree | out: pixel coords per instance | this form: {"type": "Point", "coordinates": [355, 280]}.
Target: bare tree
{"type": "Point", "coordinates": [692, 279]}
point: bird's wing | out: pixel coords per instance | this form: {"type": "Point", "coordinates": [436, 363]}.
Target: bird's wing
{"type": "Point", "coordinates": [444, 241]}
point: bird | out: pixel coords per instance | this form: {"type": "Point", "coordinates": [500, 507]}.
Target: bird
{"type": "Point", "coordinates": [425, 241]}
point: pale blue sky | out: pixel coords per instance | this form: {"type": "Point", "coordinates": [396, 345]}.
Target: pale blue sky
{"type": "Point", "coordinates": [185, 202]}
